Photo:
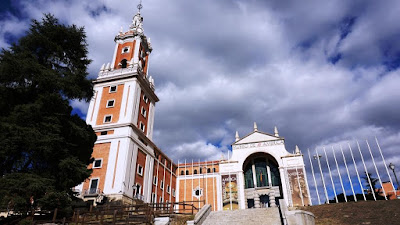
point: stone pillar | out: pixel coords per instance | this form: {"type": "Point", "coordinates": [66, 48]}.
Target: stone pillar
{"type": "Point", "coordinates": [256, 201]}
{"type": "Point", "coordinates": [272, 199]}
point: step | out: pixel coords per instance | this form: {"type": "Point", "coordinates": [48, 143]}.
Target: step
{"type": "Point", "coordinates": [245, 216]}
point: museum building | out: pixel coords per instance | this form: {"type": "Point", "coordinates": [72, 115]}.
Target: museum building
{"type": "Point", "coordinates": [128, 165]}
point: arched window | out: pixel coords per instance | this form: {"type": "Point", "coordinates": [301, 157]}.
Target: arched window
{"type": "Point", "coordinates": [195, 172]}
{"type": "Point", "coordinates": [201, 170]}
{"type": "Point", "coordinates": [182, 173]}
{"type": "Point", "coordinates": [187, 172]}
{"type": "Point", "coordinates": [124, 63]}
{"type": "Point", "coordinates": [208, 170]}
{"type": "Point", "coordinates": [214, 170]}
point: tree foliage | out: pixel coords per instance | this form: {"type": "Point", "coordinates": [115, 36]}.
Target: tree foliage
{"type": "Point", "coordinates": [44, 150]}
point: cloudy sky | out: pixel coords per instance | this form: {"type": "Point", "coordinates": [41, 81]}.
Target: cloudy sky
{"type": "Point", "coordinates": [323, 72]}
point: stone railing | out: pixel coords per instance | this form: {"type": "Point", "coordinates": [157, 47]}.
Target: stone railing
{"type": "Point", "coordinates": [295, 217]}
{"type": "Point", "coordinates": [200, 216]}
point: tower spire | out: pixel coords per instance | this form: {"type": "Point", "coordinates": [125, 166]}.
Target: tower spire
{"type": "Point", "coordinates": [137, 21]}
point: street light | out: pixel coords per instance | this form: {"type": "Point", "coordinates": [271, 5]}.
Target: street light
{"type": "Point", "coordinates": [391, 166]}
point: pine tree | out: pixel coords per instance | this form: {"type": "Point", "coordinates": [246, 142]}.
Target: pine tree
{"type": "Point", "coordinates": [44, 149]}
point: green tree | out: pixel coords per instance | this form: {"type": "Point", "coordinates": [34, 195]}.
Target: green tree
{"type": "Point", "coordinates": [44, 149]}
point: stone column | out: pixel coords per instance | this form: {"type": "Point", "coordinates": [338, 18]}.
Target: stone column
{"type": "Point", "coordinates": [256, 201]}
{"type": "Point", "coordinates": [272, 198]}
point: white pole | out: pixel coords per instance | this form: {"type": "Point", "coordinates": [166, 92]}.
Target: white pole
{"type": "Point", "coordinates": [170, 184]}
{"type": "Point", "coordinates": [298, 183]}
{"type": "Point", "coordinates": [340, 176]}
{"type": "Point", "coordinates": [322, 176]}
{"type": "Point", "coordinates": [376, 169]}
{"type": "Point", "coordinates": [213, 187]}
{"type": "Point", "coordinates": [366, 171]}
{"type": "Point", "coordinates": [200, 185]}
{"type": "Point", "coordinates": [192, 180]}
{"type": "Point", "coordinates": [348, 174]}
{"type": "Point", "coordinates": [315, 182]}
{"type": "Point", "coordinates": [184, 189]}
{"type": "Point", "coordinates": [384, 162]}
{"type": "Point", "coordinates": [205, 162]}
{"type": "Point", "coordinates": [230, 188]}
{"type": "Point", "coordinates": [330, 175]}
{"type": "Point", "coordinates": [358, 175]}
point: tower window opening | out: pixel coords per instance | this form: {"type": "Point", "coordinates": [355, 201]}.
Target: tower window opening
{"type": "Point", "coordinates": [187, 172]}
{"type": "Point", "coordinates": [208, 170]}
{"type": "Point", "coordinates": [125, 50]}
{"type": "Point", "coordinates": [197, 192]}
{"type": "Point", "coordinates": [97, 163]}
{"type": "Point", "coordinates": [142, 126]}
{"type": "Point", "coordinates": [103, 133]}
{"type": "Point", "coordinates": [145, 99]}
{"type": "Point", "coordinates": [195, 172]}
{"type": "Point", "coordinates": [124, 63]}
{"type": "Point", "coordinates": [182, 173]}
{"type": "Point", "coordinates": [107, 119]}
{"type": "Point", "coordinates": [113, 89]}
{"type": "Point", "coordinates": [214, 170]}
{"type": "Point", "coordinates": [144, 112]}
{"type": "Point", "coordinates": [140, 170]}
{"type": "Point", "coordinates": [110, 103]}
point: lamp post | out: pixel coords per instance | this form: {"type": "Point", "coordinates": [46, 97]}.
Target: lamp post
{"type": "Point", "coordinates": [391, 166]}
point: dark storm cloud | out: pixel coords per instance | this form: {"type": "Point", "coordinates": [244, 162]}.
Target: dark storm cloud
{"type": "Point", "coordinates": [323, 72]}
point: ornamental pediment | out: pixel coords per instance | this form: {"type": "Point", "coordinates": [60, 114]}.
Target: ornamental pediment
{"type": "Point", "coordinates": [257, 136]}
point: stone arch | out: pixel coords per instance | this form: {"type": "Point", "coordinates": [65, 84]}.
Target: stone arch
{"type": "Point", "coordinates": [262, 181]}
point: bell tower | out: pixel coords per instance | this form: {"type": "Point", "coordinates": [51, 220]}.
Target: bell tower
{"type": "Point", "coordinates": [127, 164]}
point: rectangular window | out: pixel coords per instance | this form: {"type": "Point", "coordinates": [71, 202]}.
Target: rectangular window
{"type": "Point", "coordinates": [97, 163]}
{"type": "Point", "coordinates": [93, 185]}
{"type": "Point", "coordinates": [113, 89]}
{"type": "Point", "coordinates": [142, 126]}
{"type": "Point", "coordinates": [144, 113]}
{"type": "Point", "coordinates": [137, 189]}
{"type": "Point", "coordinates": [161, 200]}
{"type": "Point", "coordinates": [103, 133]}
{"type": "Point", "coordinates": [107, 118]}
{"type": "Point", "coordinates": [168, 190]}
{"type": "Point", "coordinates": [140, 170]}
{"type": "Point", "coordinates": [145, 98]}
{"type": "Point", "coordinates": [153, 197]}
{"type": "Point", "coordinates": [155, 180]}
{"type": "Point", "coordinates": [110, 103]}
{"type": "Point", "coordinates": [173, 192]}
{"type": "Point", "coordinates": [162, 185]}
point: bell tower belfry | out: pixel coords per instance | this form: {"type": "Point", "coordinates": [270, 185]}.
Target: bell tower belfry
{"type": "Point", "coordinates": [127, 164]}
{"type": "Point", "coordinates": [124, 92]}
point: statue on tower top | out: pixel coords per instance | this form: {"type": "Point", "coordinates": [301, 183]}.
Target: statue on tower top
{"type": "Point", "coordinates": [137, 21]}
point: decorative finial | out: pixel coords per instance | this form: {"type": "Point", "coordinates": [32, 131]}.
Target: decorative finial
{"type": "Point", "coordinates": [297, 150]}
{"type": "Point", "coordinates": [237, 136]}
{"type": "Point", "coordinates": [255, 127]}
{"type": "Point", "coordinates": [276, 132]}
{"type": "Point", "coordinates": [140, 6]}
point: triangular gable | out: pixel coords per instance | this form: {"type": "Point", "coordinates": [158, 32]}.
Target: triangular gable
{"type": "Point", "coordinates": [257, 136]}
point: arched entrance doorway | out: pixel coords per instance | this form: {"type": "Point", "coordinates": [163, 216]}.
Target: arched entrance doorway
{"type": "Point", "coordinates": [262, 182]}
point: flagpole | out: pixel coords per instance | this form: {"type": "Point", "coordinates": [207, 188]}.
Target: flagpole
{"type": "Point", "coordinates": [330, 175]}
{"type": "Point", "coordinates": [358, 175]}
{"type": "Point", "coordinates": [184, 191]}
{"type": "Point", "coordinates": [315, 182]}
{"type": "Point", "coordinates": [340, 176]}
{"type": "Point", "coordinates": [376, 169]}
{"type": "Point", "coordinates": [230, 186]}
{"type": "Point", "coordinates": [366, 171]}
{"type": "Point", "coordinates": [322, 176]}
{"type": "Point", "coordinates": [348, 174]}
{"type": "Point", "coordinates": [200, 185]}
{"type": "Point", "coordinates": [384, 162]}
{"type": "Point", "coordinates": [192, 180]}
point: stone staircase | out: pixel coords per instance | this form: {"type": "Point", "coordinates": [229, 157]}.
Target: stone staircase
{"type": "Point", "coordinates": [245, 216]}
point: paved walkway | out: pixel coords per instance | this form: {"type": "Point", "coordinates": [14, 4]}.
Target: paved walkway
{"type": "Point", "coordinates": [245, 216]}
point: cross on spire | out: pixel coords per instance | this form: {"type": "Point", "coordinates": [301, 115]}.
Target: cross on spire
{"type": "Point", "coordinates": [140, 6]}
